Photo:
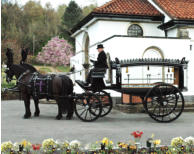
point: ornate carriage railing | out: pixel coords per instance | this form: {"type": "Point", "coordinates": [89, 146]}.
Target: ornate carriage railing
{"type": "Point", "coordinates": [178, 77]}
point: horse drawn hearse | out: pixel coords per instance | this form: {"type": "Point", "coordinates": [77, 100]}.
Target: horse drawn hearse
{"type": "Point", "coordinates": [161, 97]}
{"type": "Point", "coordinates": [163, 102]}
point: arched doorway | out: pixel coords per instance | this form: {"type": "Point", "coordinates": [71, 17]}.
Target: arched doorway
{"type": "Point", "coordinates": [153, 73]}
{"type": "Point", "coordinates": [86, 52]}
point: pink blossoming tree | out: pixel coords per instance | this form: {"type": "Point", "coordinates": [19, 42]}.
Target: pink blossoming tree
{"type": "Point", "coordinates": [56, 52]}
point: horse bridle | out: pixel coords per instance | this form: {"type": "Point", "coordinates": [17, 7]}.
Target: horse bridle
{"type": "Point", "coordinates": [7, 77]}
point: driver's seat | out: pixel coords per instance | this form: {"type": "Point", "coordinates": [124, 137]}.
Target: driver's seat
{"type": "Point", "coordinates": [97, 82]}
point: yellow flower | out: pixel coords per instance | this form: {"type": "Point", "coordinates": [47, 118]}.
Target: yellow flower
{"type": "Point", "coordinates": [111, 142]}
{"type": "Point", "coordinates": [6, 146]}
{"type": "Point", "coordinates": [65, 144]}
{"type": "Point", "coordinates": [125, 146]}
{"type": "Point", "coordinates": [152, 136]}
{"type": "Point", "coordinates": [178, 141]}
{"type": "Point", "coordinates": [156, 142]}
{"type": "Point", "coordinates": [105, 141]}
{"type": "Point", "coordinates": [133, 147]}
{"type": "Point", "coordinates": [25, 143]}
{"type": "Point", "coordinates": [48, 143]}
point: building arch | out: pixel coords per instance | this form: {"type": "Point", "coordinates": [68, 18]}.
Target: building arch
{"type": "Point", "coordinates": [154, 49]}
{"type": "Point", "coordinates": [153, 72]}
{"type": "Point", "coordinates": [86, 44]}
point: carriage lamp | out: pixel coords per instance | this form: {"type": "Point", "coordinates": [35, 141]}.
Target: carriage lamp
{"type": "Point", "coordinates": [127, 70]}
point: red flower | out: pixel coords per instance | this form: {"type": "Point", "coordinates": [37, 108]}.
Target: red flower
{"type": "Point", "coordinates": [36, 146]}
{"type": "Point", "coordinates": [137, 134]}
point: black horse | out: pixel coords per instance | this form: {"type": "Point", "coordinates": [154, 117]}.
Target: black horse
{"type": "Point", "coordinates": [62, 86]}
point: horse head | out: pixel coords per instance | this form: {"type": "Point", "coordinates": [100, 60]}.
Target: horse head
{"type": "Point", "coordinates": [14, 70]}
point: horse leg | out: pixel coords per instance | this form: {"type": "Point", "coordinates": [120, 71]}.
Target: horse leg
{"type": "Point", "coordinates": [37, 111]}
{"type": "Point", "coordinates": [59, 116]}
{"type": "Point", "coordinates": [70, 109]}
{"type": "Point", "coordinates": [27, 107]}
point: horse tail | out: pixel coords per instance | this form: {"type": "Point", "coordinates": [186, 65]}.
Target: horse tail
{"type": "Point", "coordinates": [67, 92]}
{"type": "Point", "coordinates": [71, 99]}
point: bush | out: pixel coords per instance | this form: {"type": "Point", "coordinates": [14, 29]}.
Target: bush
{"type": "Point", "coordinates": [56, 52]}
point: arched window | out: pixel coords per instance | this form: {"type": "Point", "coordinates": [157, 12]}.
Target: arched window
{"type": "Point", "coordinates": [135, 30]}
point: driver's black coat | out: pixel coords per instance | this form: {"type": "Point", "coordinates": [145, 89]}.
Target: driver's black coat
{"type": "Point", "coordinates": [101, 61]}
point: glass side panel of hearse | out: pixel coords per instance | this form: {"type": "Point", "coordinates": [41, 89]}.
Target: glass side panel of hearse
{"type": "Point", "coordinates": [146, 73]}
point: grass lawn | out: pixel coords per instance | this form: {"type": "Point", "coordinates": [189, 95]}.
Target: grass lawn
{"type": "Point", "coordinates": [48, 68]}
{"type": "Point", "coordinates": [63, 68]}
{"type": "Point", "coordinates": [45, 69]}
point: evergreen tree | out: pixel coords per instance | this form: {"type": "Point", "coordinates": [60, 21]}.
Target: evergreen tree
{"type": "Point", "coordinates": [71, 17]}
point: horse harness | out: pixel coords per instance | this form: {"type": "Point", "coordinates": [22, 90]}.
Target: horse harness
{"type": "Point", "coordinates": [40, 85]}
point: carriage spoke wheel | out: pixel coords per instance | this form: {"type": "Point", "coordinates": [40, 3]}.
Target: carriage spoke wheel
{"type": "Point", "coordinates": [106, 101]}
{"type": "Point", "coordinates": [88, 107]}
{"type": "Point", "coordinates": [164, 103]}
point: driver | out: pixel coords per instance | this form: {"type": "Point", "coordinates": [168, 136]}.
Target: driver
{"type": "Point", "coordinates": [100, 63]}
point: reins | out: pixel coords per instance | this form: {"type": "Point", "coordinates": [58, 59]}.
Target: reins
{"type": "Point", "coordinates": [21, 76]}
{"type": "Point", "coordinates": [74, 72]}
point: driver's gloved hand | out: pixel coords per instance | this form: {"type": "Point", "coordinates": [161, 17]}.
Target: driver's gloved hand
{"type": "Point", "coordinates": [92, 60]}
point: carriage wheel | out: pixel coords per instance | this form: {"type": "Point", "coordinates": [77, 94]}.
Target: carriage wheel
{"type": "Point", "coordinates": [164, 103]}
{"type": "Point", "coordinates": [106, 100]}
{"type": "Point", "coordinates": [88, 107]}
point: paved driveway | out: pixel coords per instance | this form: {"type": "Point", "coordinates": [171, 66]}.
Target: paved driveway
{"type": "Point", "coordinates": [116, 126]}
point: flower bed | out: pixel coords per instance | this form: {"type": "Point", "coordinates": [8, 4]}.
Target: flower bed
{"type": "Point", "coordinates": [105, 146]}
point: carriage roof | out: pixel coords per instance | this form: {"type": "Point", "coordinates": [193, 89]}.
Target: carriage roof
{"type": "Point", "coordinates": [153, 61]}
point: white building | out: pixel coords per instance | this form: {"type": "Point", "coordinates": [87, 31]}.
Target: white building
{"type": "Point", "coordinates": [138, 29]}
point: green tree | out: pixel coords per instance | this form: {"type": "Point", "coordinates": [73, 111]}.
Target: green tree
{"type": "Point", "coordinates": [29, 26]}
{"type": "Point", "coordinates": [72, 15]}
{"type": "Point", "coordinates": [42, 25]}
{"type": "Point", "coordinates": [10, 28]}
{"type": "Point", "coordinates": [61, 9]}
{"type": "Point", "coordinates": [88, 9]}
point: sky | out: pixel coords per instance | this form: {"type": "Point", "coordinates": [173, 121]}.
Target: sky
{"type": "Point", "coordinates": [56, 3]}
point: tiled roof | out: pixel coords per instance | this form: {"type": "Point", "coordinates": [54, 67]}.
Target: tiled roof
{"type": "Point", "coordinates": [128, 7]}
{"type": "Point", "coordinates": [177, 9]}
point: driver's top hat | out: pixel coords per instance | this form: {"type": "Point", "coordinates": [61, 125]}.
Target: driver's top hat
{"type": "Point", "coordinates": [100, 46]}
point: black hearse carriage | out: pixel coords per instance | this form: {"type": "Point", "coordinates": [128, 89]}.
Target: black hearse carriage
{"type": "Point", "coordinates": [161, 96]}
